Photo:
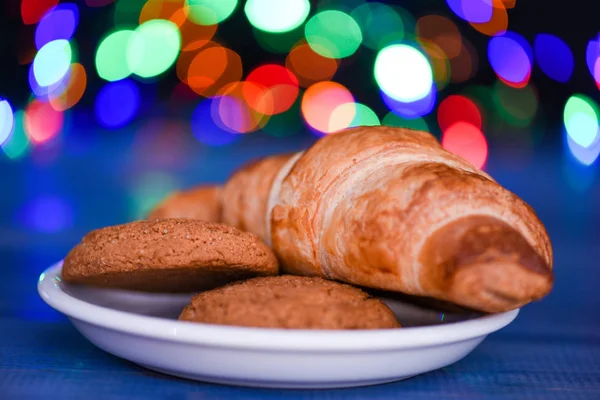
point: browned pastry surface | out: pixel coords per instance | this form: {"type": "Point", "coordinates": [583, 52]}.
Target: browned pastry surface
{"type": "Point", "coordinates": [167, 255]}
{"type": "Point", "coordinates": [290, 302]}
{"type": "Point", "coordinates": [201, 202]}
{"type": "Point", "coordinates": [245, 194]}
{"type": "Point", "coordinates": [364, 205]}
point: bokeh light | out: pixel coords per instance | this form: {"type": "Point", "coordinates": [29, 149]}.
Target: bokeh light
{"type": "Point", "coordinates": [206, 130]}
{"type": "Point", "coordinates": [464, 66]}
{"type": "Point", "coordinates": [320, 101]}
{"type": "Point", "coordinates": [59, 23]}
{"type": "Point", "coordinates": [276, 89]}
{"type": "Point", "coordinates": [403, 73]}
{"type": "Point", "coordinates": [287, 123]}
{"type": "Point", "coordinates": [193, 36]}
{"type": "Point", "coordinates": [73, 91]}
{"type": "Point", "coordinates": [363, 115]}
{"type": "Point", "coordinates": [581, 119]}
{"type": "Point", "coordinates": [440, 65]}
{"type": "Point", "coordinates": [161, 9]}
{"type": "Point", "coordinates": [111, 56]}
{"type": "Point", "coordinates": [412, 109]}
{"type": "Point", "coordinates": [46, 93]}
{"type": "Point", "coordinates": [33, 10]}
{"type": "Point", "coordinates": [42, 122]}
{"type": "Point", "coordinates": [592, 56]}
{"type": "Point", "coordinates": [498, 23]}
{"type": "Point", "coordinates": [127, 12]}
{"type": "Point", "coordinates": [275, 15]}
{"type": "Point", "coordinates": [153, 48]}
{"type": "Point", "coordinates": [458, 108]}
{"type": "Point", "coordinates": [47, 214]}
{"type": "Point", "coordinates": [210, 12]}
{"type": "Point", "coordinates": [333, 34]}
{"type": "Point", "coordinates": [392, 119]}
{"type": "Point", "coordinates": [380, 25]}
{"type": "Point", "coordinates": [278, 42]}
{"type": "Point", "coordinates": [52, 62]}
{"type": "Point", "coordinates": [584, 155]}
{"type": "Point", "coordinates": [554, 57]}
{"type": "Point", "coordinates": [466, 141]}
{"type": "Point", "coordinates": [231, 111]}
{"type": "Point", "coordinates": [148, 190]}
{"type": "Point", "coordinates": [7, 121]}
{"type": "Point", "coordinates": [213, 67]}
{"type": "Point", "coordinates": [517, 106]}
{"type": "Point", "coordinates": [442, 32]}
{"type": "Point", "coordinates": [117, 103]}
{"type": "Point", "coordinates": [476, 11]}
{"type": "Point", "coordinates": [511, 57]}
{"type": "Point", "coordinates": [17, 144]}
{"type": "Point", "coordinates": [309, 66]}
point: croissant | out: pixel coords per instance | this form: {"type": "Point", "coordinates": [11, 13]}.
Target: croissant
{"type": "Point", "coordinates": [390, 209]}
{"type": "Point", "coordinates": [200, 202]}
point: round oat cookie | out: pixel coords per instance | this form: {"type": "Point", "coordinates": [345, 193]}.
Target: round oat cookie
{"type": "Point", "coordinates": [200, 202]}
{"type": "Point", "coordinates": [290, 302]}
{"type": "Point", "coordinates": [167, 255]}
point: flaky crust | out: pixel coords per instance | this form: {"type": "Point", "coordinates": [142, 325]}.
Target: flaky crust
{"type": "Point", "coordinates": [364, 205]}
{"type": "Point", "coordinates": [201, 202]}
{"type": "Point", "coordinates": [245, 195]}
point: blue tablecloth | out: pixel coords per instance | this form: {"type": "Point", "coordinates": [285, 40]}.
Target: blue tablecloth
{"type": "Point", "coordinates": [552, 350]}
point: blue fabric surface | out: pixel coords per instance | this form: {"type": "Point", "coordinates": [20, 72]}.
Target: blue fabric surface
{"type": "Point", "coordinates": [552, 350]}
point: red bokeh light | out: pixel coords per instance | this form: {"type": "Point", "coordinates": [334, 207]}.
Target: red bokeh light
{"type": "Point", "coordinates": [466, 141]}
{"type": "Point", "coordinates": [33, 10]}
{"type": "Point", "coordinates": [457, 108]}
{"type": "Point", "coordinates": [280, 89]}
{"type": "Point", "coordinates": [42, 122]}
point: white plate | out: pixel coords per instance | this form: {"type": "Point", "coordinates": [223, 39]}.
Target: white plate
{"type": "Point", "coordinates": [143, 328]}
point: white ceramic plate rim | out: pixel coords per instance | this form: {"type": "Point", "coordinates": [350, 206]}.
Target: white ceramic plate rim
{"type": "Point", "coordinates": [264, 338]}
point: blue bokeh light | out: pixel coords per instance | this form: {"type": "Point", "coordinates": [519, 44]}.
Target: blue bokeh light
{"type": "Point", "coordinates": [592, 55]}
{"type": "Point", "coordinates": [47, 214]}
{"type": "Point", "coordinates": [475, 11]}
{"type": "Point", "coordinates": [414, 109]}
{"type": "Point", "coordinates": [117, 103]}
{"type": "Point", "coordinates": [7, 121]}
{"type": "Point", "coordinates": [511, 57]}
{"type": "Point", "coordinates": [554, 57]}
{"type": "Point", "coordinates": [58, 23]}
{"type": "Point", "coordinates": [206, 130]}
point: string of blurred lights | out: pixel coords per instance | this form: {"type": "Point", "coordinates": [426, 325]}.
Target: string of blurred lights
{"type": "Point", "coordinates": [413, 61]}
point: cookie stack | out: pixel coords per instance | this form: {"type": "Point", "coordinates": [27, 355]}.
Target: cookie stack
{"type": "Point", "coordinates": [235, 272]}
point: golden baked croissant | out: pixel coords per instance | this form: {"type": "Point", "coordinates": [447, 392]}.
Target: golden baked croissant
{"type": "Point", "coordinates": [200, 202]}
{"type": "Point", "coordinates": [389, 208]}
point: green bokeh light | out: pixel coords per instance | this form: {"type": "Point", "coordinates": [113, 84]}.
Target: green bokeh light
{"type": "Point", "coordinates": [276, 15]}
{"type": "Point", "coordinates": [380, 24]}
{"type": "Point", "coordinates": [153, 48]}
{"type": "Point", "coordinates": [278, 42]}
{"type": "Point", "coordinates": [581, 119]}
{"type": "Point", "coordinates": [127, 12]}
{"type": "Point", "coordinates": [148, 191]}
{"type": "Point", "coordinates": [287, 123]}
{"type": "Point", "coordinates": [210, 12]}
{"type": "Point", "coordinates": [18, 143]}
{"type": "Point", "coordinates": [418, 124]}
{"type": "Point", "coordinates": [111, 56]}
{"type": "Point", "coordinates": [364, 116]}
{"type": "Point", "coordinates": [333, 34]}
{"type": "Point", "coordinates": [517, 106]}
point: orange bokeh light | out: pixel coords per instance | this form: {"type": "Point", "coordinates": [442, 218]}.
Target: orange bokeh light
{"type": "Point", "coordinates": [497, 24]}
{"type": "Point", "coordinates": [466, 141]}
{"type": "Point", "coordinates": [308, 66]}
{"type": "Point", "coordinates": [321, 100]}
{"type": "Point", "coordinates": [209, 70]}
{"type": "Point", "coordinates": [160, 9]}
{"type": "Point", "coordinates": [442, 32]}
{"type": "Point", "coordinates": [42, 122]}
{"type": "Point", "coordinates": [73, 92]}
{"type": "Point", "coordinates": [465, 65]}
